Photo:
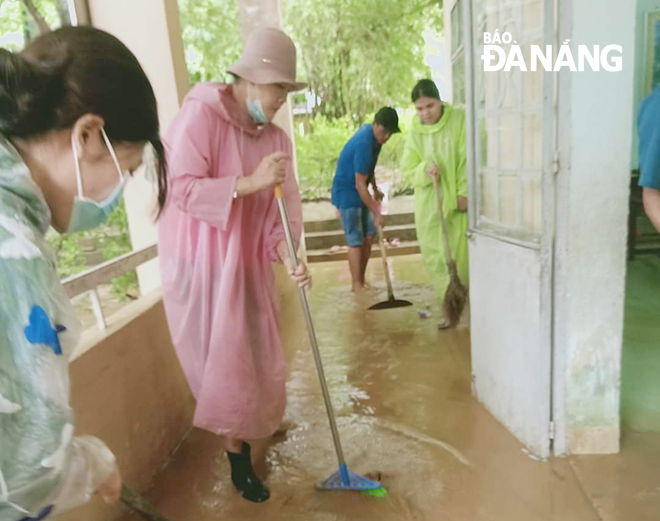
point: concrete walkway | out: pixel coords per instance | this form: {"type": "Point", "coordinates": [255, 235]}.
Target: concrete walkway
{"type": "Point", "coordinates": [401, 390]}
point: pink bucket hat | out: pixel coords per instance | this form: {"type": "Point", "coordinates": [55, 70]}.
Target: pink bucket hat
{"type": "Point", "coordinates": [269, 56]}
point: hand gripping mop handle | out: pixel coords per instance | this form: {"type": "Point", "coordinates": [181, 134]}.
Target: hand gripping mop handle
{"type": "Point", "coordinates": [279, 195]}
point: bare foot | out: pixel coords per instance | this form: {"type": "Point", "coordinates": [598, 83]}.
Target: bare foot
{"type": "Point", "coordinates": [445, 324]}
{"type": "Point", "coordinates": [284, 428]}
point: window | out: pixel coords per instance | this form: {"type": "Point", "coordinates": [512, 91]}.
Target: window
{"type": "Point", "coordinates": [457, 55]}
{"type": "Point", "coordinates": [509, 112]}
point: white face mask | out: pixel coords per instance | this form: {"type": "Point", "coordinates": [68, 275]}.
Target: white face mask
{"type": "Point", "coordinates": [87, 213]}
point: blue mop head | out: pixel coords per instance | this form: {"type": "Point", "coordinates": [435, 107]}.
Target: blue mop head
{"type": "Point", "coordinates": [344, 479]}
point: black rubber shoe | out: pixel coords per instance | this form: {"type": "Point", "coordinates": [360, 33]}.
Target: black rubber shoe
{"type": "Point", "coordinates": [244, 478]}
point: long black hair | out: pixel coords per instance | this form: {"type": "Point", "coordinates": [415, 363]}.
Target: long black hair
{"type": "Point", "coordinates": [74, 71]}
{"type": "Point", "coordinates": [425, 89]}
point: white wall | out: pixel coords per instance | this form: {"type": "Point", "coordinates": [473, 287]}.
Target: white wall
{"type": "Point", "coordinates": [592, 209]}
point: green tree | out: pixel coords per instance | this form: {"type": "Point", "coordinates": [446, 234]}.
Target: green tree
{"type": "Point", "coordinates": [111, 238]}
{"type": "Point", "coordinates": [211, 36]}
{"type": "Point", "coordinates": [23, 20]}
{"type": "Point", "coordinates": [359, 55]}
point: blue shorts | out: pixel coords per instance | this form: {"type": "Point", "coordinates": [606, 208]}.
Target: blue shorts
{"type": "Point", "coordinates": [358, 223]}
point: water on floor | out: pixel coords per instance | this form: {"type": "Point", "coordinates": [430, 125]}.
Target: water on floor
{"type": "Point", "coordinates": [401, 391]}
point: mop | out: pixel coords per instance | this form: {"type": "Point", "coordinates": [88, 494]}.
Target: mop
{"type": "Point", "coordinates": [343, 479]}
{"type": "Point", "coordinates": [456, 295]}
{"type": "Point", "coordinates": [391, 302]}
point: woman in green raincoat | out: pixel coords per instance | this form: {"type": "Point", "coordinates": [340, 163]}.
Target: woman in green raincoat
{"type": "Point", "coordinates": [436, 148]}
{"type": "Point", "coordinates": [76, 111]}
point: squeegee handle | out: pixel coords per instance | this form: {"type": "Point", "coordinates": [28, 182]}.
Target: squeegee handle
{"type": "Point", "coordinates": [279, 195]}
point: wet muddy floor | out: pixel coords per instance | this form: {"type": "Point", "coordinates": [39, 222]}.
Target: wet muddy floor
{"type": "Point", "coordinates": [401, 390]}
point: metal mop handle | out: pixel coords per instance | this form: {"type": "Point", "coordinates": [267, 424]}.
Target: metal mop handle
{"type": "Point", "coordinates": [383, 255]}
{"type": "Point", "coordinates": [310, 327]}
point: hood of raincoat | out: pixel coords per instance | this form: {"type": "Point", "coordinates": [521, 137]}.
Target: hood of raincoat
{"type": "Point", "coordinates": [16, 183]}
{"type": "Point", "coordinates": [220, 98]}
{"type": "Point", "coordinates": [420, 128]}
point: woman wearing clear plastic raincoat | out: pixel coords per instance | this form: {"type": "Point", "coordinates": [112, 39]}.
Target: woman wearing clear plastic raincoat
{"type": "Point", "coordinates": [76, 111]}
{"type": "Point", "coordinates": [436, 148]}
{"type": "Point", "coordinates": [219, 235]}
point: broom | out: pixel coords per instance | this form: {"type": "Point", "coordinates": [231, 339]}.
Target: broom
{"type": "Point", "coordinates": [456, 295]}
{"type": "Point", "coordinates": [137, 503]}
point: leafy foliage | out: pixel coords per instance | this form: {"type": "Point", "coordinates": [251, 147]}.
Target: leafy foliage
{"type": "Point", "coordinates": [317, 153]}
{"type": "Point", "coordinates": [212, 37]}
{"type": "Point", "coordinates": [17, 25]}
{"type": "Point", "coordinates": [112, 239]}
{"type": "Point", "coordinates": [70, 258]}
{"type": "Point", "coordinates": [360, 55]}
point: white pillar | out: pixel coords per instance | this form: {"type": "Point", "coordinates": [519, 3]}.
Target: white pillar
{"type": "Point", "coordinates": [151, 29]}
{"type": "Point", "coordinates": [592, 209]}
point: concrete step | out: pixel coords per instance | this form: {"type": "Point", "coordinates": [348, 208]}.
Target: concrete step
{"type": "Point", "coordinates": [321, 236]}
{"type": "Point", "coordinates": [325, 255]}
{"type": "Point", "coordinates": [395, 219]}
{"type": "Point", "coordinates": [328, 239]}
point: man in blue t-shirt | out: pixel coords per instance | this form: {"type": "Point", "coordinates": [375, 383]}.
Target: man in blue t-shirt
{"type": "Point", "coordinates": [350, 194]}
{"type": "Point", "coordinates": [648, 127]}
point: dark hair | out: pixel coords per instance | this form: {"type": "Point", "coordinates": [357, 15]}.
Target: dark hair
{"type": "Point", "coordinates": [388, 119]}
{"type": "Point", "coordinates": [425, 89]}
{"type": "Point", "coordinates": [65, 74]}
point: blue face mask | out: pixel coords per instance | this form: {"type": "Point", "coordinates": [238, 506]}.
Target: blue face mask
{"type": "Point", "coordinates": [256, 110]}
{"type": "Point", "coordinates": [87, 213]}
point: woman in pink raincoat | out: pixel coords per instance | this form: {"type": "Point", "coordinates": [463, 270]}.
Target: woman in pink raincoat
{"type": "Point", "coordinates": [219, 234]}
